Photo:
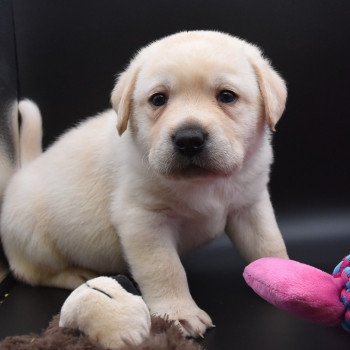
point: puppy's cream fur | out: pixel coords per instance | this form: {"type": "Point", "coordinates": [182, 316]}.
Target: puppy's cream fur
{"type": "Point", "coordinates": [94, 199]}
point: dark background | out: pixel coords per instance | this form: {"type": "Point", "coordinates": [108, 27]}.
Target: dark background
{"type": "Point", "coordinates": [70, 51]}
{"type": "Point", "coordinates": [65, 55]}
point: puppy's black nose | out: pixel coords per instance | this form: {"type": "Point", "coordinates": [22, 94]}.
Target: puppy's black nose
{"type": "Point", "coordinates": [189, 141]}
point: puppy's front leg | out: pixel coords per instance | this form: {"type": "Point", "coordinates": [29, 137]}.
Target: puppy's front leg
{"type": "Point", "coordinates": [255, 232]}
{"type": "Point", "coordinates": [149, 245]}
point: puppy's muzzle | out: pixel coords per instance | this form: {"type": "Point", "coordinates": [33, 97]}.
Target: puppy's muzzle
{"type": "Point", "coordinates": [189, 141]}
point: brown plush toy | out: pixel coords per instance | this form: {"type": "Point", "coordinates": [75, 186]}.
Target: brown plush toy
{"type": "Point", "coordinates": [102, 314]}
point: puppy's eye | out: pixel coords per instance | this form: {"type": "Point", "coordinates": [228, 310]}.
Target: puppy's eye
{"type": "Point", "coordinates": [158, 99]}
{"type": "Point", "coordinates": [227, 96]}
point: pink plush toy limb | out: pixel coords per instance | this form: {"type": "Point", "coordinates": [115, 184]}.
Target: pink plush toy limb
{"type": "Point", "coordinates": [298, 288]}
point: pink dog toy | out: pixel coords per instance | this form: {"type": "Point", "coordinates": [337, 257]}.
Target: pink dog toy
{"type": "Point", "coordinates": [303, 290]}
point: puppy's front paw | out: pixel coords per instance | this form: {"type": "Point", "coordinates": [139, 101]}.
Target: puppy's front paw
{"type": "Point", "coordinates": [192, 320]}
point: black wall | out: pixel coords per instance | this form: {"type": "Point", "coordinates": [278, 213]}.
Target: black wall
{"type": "Point", "coordinates": [8, 78]}
{"type": "Point", "coordinates": [8, 93]}
{"type": "Point", "coordinates": [69, 52]}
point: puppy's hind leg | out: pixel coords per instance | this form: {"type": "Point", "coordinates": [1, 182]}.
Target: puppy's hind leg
{"type": "Point", "coordinates": [67, 278]}
{"type": "Point", "coordinates": [70, 278]}
{"type": "Point", "coordinates": [39, 263]}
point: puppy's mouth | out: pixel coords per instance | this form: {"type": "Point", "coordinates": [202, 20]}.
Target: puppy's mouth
{"type": "Point", "coordinates": [191, 171]}
{"type": "Point", "coordinates": [205, 165]}
{"type": "Point", "coordinates": [195, 168]}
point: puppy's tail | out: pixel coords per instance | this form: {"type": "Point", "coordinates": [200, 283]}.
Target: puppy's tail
{"type": "Point", "coordinates": [18, 146]}
{"type": "Point", "coordinates": [30, 135]}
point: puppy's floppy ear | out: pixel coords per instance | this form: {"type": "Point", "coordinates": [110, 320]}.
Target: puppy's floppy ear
{"type": "Point", "coordinates": [121, 98]}
{"type": "Point", "coordinates": [272, 87]}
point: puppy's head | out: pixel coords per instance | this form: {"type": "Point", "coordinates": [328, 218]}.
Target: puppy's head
{"type": "Point", "coordinates": [196, 101]}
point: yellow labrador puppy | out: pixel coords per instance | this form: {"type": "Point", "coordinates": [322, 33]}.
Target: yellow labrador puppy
{"type": "Point", "coordinates": [192, 159]}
